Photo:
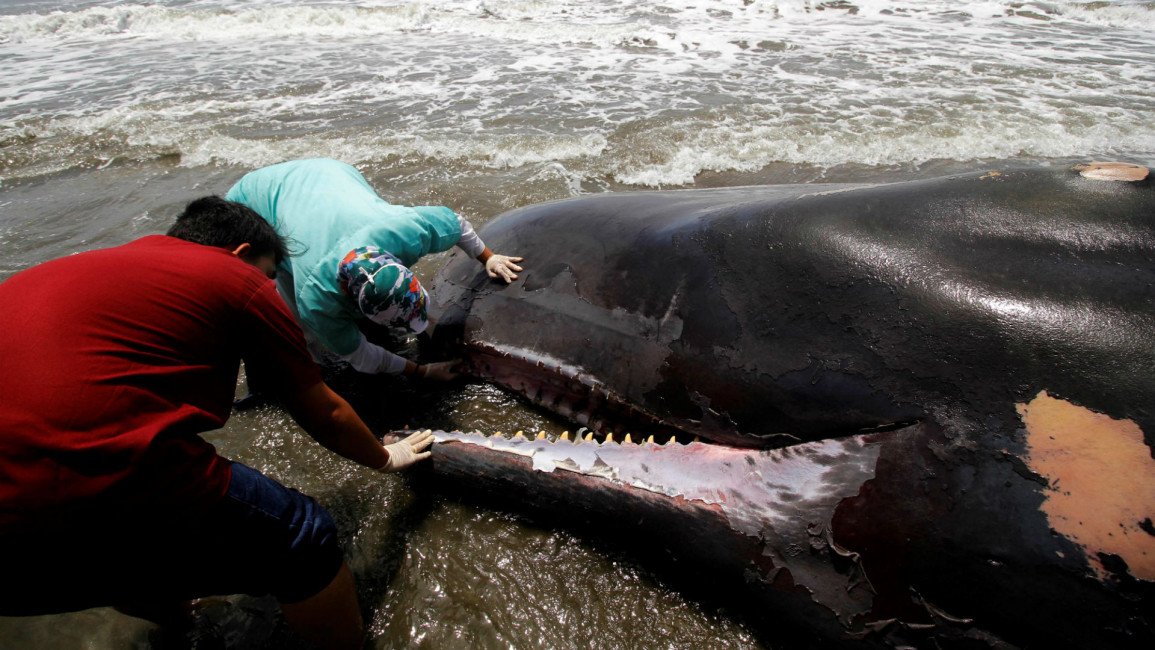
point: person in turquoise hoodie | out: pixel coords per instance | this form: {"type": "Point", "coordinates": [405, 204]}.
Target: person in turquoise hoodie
{"type": "Point", "coordinates": [353, 258]}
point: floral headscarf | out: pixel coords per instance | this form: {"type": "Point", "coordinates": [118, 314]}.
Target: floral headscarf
{"type": "Point", "coordinates": [384, 289]}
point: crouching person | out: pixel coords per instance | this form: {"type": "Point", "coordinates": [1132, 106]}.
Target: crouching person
{"type": "Point", "coordinates": [114, 361]}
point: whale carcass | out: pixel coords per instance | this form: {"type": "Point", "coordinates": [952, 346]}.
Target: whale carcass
{"type": "Point", "coordinates": [924, 408]}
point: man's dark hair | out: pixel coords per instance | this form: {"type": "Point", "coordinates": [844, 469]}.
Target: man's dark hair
{"type": "Point", "coordinates": [213, 221]}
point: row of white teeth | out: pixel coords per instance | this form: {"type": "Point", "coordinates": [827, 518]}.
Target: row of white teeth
{"type": "Point", "coordinates": [589, 436]}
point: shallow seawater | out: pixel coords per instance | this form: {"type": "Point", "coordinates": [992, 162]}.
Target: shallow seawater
{"type": "Point", "coordinates": [115, 113]}
{"type": "Point", "coordinates": [431, 572]}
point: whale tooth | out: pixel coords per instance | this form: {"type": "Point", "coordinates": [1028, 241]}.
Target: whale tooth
{"type": "Point", "coordinates": [564, 435]}
{"type": "Point", "coordinates": [590, 435]}
{"type": "Point", "coordinates": [519, 434]}
{"type": "Point", "coordinates": [540, 435]}
{"type": "Point", "coordinates": [626, 440]}
{"type": "Point", "coordinates": [609, 437]}
{"type": "Point", "coordinates": [650, 439]}
{"type": "Point", "coordinates": [697, 439]}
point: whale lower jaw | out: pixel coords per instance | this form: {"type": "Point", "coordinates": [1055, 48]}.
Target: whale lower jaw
{"type": "Point", "coordinates": [752, 530]}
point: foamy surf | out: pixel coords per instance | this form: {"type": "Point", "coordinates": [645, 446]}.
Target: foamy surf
{"type": "Point", "coordinates": [634, 92]}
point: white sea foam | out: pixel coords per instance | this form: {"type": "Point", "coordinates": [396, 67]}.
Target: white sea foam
{"type": "Point", "coordinates": [642, 92]}
{"type": "Point", "coordinates": [353, 20]}
{"type": "Point", "coordinates": [677, 24]}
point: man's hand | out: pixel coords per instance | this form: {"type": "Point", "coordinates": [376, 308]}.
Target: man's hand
{"type": "Point", "coordinates": [502, 266]}
{"type": "Point", "coordinates": [408, 451]}
{"type": "Point", "coordinates": [441, 371]}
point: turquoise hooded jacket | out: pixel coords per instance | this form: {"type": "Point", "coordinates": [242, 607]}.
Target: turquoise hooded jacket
{"type": "Point", "coordinates": [325, 209]}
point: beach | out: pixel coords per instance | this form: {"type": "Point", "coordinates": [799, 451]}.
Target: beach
{"type": "Point", "coordinates": [114, 114]}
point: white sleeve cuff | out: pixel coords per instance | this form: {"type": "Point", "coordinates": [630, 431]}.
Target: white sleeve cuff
{"type": "Point", "coordinates": [374, 359]}
{"type": "Point", "coordinates": [469, 242]}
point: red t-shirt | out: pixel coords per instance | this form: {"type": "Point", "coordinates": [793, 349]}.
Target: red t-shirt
{"type": "Point", "coordinates": [111, 364]}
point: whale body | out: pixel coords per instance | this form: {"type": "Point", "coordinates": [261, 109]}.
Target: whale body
{"type": "Point", "coordinates": [925, 407]}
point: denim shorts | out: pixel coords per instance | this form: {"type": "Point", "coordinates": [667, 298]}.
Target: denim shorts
{"type": "Point", "coordinates": [290, 541]}
{"type": "Point", "coordinates": [261, 538]}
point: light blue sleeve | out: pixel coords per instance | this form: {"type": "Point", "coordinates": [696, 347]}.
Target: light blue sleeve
{"type": "Point", "coordinates": [442, 224]}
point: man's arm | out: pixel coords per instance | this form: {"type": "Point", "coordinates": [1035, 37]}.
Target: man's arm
{"type": "Point", "coordinates": [331, 421]}
{"type": "Point", "coordinates": [373, 359]}
{"type": "Point", "coordinates": [370, 358]}
{"type": "Point", "coordinates": [276, 352]}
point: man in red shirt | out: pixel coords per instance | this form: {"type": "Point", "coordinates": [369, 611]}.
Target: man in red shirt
{"type": "Point", "coordinates": [114, 361]}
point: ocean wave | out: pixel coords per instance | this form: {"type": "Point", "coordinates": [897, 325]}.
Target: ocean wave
{"type": "Point", "coordinates": [508, 21]}
{"type": "Point", "coordinates": [1132, 14]}
{"type": "Point", "coordinates": [721, 150]}
{"type": "Point", "coordinates": [641, 93]}
{"type": "Point", "coordinates": [658, 153]}
{"type": "Point", "coordinates": [674, 25]}
{"type": "Point", "coordinates": [48, 146]}
{"type": "Point", "coordinates": [179, 23]}
{"type": "Point", "coordinates": [1138, 15]}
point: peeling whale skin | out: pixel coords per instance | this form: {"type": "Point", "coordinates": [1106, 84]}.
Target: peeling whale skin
{"type": "Point", "coordinates": [932, 399]}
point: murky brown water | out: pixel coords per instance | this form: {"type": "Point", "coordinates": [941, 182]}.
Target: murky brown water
{"type": "Point", "coordinates": [115, 113]}
{"type": "Point", "coordinates": [431, 573]}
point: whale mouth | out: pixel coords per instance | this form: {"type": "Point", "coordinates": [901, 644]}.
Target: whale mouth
{"type": "Point", "coordinates": [569, 392]}
{"type": "Point", "coordinates": [576, 395]}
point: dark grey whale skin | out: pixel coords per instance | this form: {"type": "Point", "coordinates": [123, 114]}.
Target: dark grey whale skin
{"type": "Point", "coordinates": [910, 323]}
{"type": "Point", "coordinates": [760, 316]}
